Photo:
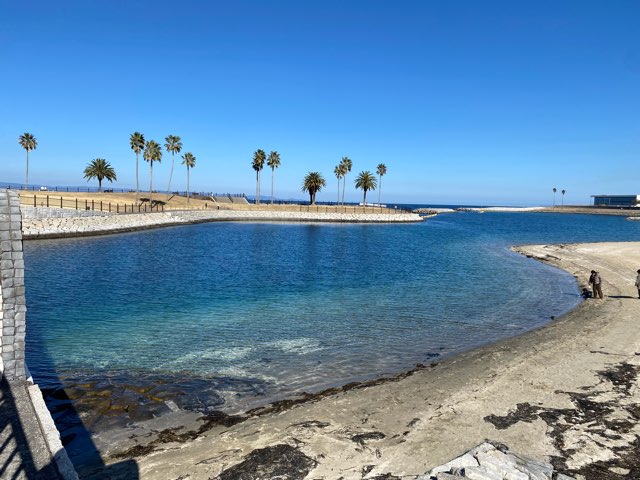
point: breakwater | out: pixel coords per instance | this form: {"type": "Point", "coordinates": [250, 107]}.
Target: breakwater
{"type": "Point", "coordinates": [50, 223]}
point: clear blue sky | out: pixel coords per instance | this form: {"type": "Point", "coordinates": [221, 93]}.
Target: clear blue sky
{"type": "Point", "coordinates": [491, 102]}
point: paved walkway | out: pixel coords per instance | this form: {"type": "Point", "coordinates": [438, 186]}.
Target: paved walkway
{"type": "Point", "coordinates": [23, 452]}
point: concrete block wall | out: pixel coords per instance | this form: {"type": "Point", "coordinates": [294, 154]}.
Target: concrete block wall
{"type": "Point", "coordinates": [13, 309]}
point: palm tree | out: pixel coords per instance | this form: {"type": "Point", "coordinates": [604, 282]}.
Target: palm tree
{"type": "Point", "coordinates": [554, 196]}
{"type": "Point", "coordinates": [274, 162]}
{"type": "Point", "coordinates": [258, 163]}
{"type": "Point", "coordinates": [313, 183]}
{"type": "Point", "coordinates": [366, 181]}
{"type": "Point", "coordinates": [381, 170]}
{"type": "Point", "coordinates": [152, 153]}
{"type": "Point", "coordinates": [28, 142]}
{"type": "Point", "coordinates": [173, 145]}
{"type": "Point", "coordinates": [101, 169]}
{"type": "Point", "coordinates": [563, 192]}
{"type": "Point", "coordinates": [136, 140]}
{"type": "Point", "coordinates": [190, 161]}
{"type": "Point", "coordinates": [339, 172]}
{"type": "Point", "coordinates": [346, 162]}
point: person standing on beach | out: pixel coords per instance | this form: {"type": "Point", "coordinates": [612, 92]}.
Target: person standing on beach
{"type": "Point", "coordinates": [638, 283]}
{"type": "Point", "coordinates": [596, 282]}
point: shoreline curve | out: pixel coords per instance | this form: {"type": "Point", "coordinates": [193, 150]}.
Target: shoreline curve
{"type": "Point", "coordinates": [563, 392]}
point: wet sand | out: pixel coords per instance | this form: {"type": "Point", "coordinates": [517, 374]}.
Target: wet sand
{"type": "Point", "coordinates": [568, 392]}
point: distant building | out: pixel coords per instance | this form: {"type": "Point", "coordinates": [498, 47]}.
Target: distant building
{"type": "Point", "coordinates": [617, 200]}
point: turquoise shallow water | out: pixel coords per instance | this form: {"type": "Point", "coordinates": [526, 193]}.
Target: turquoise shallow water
{"type": "Point", "coordinates": [265, 310]}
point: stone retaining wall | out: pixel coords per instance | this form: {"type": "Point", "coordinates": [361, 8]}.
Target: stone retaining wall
{"type": "Point", "coordinates": [38, 434]}
{"type": "Point", "coordinates": [85, 226]}
{"type": "Point", "coordinates": [12, 297]}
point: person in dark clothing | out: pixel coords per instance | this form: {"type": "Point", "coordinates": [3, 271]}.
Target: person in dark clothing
{"type": "Point", "coordinates": [596, 284]}
{"type": "Point", "coordinates": [638, 283]}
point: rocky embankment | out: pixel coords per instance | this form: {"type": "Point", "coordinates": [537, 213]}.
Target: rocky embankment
{"type": "Point", "coordinates": [58, 227]}
{"type": "Point", "coordinates": [494, 461]}
{"type": "Point", "coordinates": [433, 211]}
{"type": "Point", "coordinates": [477, 209]}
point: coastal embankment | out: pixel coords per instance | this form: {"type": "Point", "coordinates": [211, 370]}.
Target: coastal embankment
{"type": "Point", "coordinates": [632, 214]}
{"type": "Point", "coordinates": [565, 393]}
{"type": "Point", "coordinates": [59, 223]}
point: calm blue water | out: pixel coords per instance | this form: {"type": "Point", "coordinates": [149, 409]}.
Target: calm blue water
{"type": "Point", "coordinates": [289, 307]}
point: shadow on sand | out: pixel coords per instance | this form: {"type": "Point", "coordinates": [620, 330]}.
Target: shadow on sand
{"type": "Point", "coordinates": [76, 438]}
{"type": "Point", "coordinates": [17, 439]}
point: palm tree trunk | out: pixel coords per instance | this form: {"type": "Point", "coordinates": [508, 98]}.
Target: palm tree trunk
{"type": "Point", "coordinates": [379, 189]}
{"type": "Point", "coordinates": [344, 185]}
{"type": "Point", "coordinates": [137, 187]}
{"type": "Point", "coordinates": [150, 182]}
{"type": "Point", "coordinates": [27, 179]}
{"type": "Point", "coordinates": [257, 187]}
{"type": "Point", "coordinates": [187, 185]}
{"type": "Point", "coordinates": [272, 170]}
{"type": "Point", "coordinates": [364, 202]}
{"type": "Point", "coordinates": [171, 173]}
{"type": "Point", "coordinates": [338, 190]}
{"type": "Point", "coordinates": [99, 185]}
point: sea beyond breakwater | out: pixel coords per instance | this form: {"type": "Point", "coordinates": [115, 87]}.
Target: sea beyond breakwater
{"type": "Point", "coordinates": [261, 311]}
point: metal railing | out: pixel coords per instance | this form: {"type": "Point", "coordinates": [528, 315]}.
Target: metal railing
{"type": "Point", "coordinates": [49, 200]}
{"type": "Point", "coordinates": [58, 189]}
{"type": "Point", "coordinates": [320, 208]}
{"type": "Point", "coordinates": [54, 201]}
{"type": "Point", "coordinates": [332, 205]}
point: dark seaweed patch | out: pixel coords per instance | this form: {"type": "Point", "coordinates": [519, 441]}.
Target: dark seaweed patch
{"type": "Point", "coordinates": [363, 438]}
{"type": "Point", "coordinates": [282, 462]}
{"type": "Point", "coordinates": [594, 416]}
{"type": "Point", "coordinates": [524, 412]}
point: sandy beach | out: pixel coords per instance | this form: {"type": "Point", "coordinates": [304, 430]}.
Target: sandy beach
{"type": "Point", "coordinates": [567, 393]}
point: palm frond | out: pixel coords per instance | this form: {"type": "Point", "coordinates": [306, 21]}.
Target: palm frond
{"type": "Point", "coordinates": [347, 163]}
{"type": "Point", "coordinates": [366, 181]}
{"type": "Point", "coordinates": [101, 169]}
{"type": "Point", "coordinates": [152, 152]}
{"type": "Point", "coordinates": [259, 157]}
{"type": "Point", "coordinates": [136, 141]}
{"type": "Point", "coordinates": [173, 144]}
{"type": "Point", "coordinates": [313, 182]}
{"type": "Point", "coordinates": [274, 160]}
{"type": "Point", "coordinates": [28, 141]}
{"type": "Point", "coordinates": [189, 160]}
